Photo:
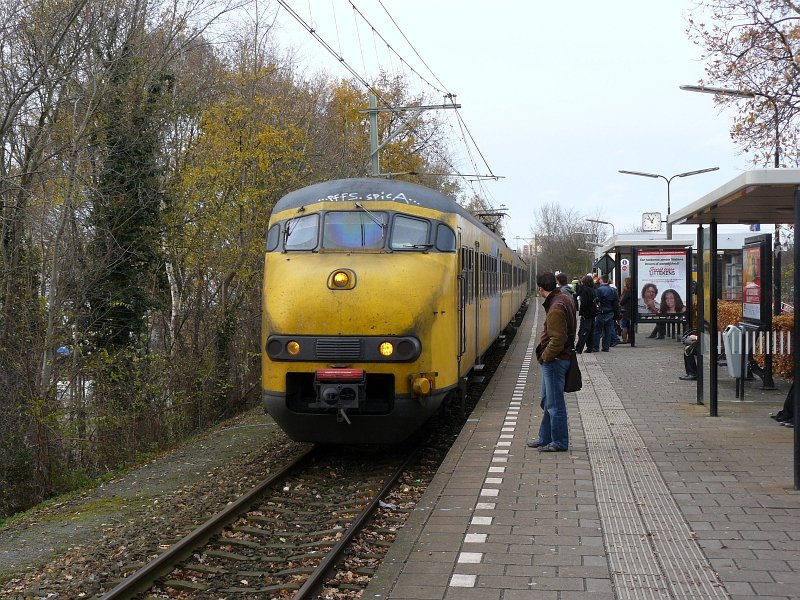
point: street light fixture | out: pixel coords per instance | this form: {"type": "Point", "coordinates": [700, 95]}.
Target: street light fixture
{"type": "Point", "coordinates": [669, 180]}
{"type": "Point", "coordinates": [776, 309]}
{"type": "Point", "coordinates": [706, 89]}
{"type": "Point", "coordinates": [613, 231]}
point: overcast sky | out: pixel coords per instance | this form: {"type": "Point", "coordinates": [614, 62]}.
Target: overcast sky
{"type": "Point", "coordinates": [558, 96]}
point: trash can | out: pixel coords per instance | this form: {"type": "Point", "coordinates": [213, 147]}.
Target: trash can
{"type": "Point", "coordinates": [732, 340]}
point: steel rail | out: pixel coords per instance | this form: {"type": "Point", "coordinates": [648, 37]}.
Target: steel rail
{"type": "Point", "coordinates": [317, 577]}
{"type": "Point", "coordinates": [143, 579]}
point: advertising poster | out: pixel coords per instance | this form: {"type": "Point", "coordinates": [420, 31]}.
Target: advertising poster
{"type": "Point", "coordinates": [751, 280]}
{"type": "Point", "coordinates": [661, 287]}
{"type": "Point", "coordinates": [704, 291]}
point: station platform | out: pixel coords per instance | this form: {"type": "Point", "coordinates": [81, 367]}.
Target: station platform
{"type": "Point", "coordinates": [654, 499]}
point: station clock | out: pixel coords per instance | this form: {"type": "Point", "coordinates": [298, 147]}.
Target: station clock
{"type": "Point", "coordinates": [651, 221]}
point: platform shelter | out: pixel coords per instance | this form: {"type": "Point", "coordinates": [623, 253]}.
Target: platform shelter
{"type": "Point", "coordinates": [756, 196]}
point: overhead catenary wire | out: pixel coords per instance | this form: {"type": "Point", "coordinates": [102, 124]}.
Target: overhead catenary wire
{"type": "Point", "coordinates": [392, 50]}
{"type": "Point", "coordinates": [333, 52]}
{"type": "Point", "coordinates": [410, 45]}
{"type": "Point", "coordinates": [448, 95]}
{"type": "Point", "coordinates": [465, 134]}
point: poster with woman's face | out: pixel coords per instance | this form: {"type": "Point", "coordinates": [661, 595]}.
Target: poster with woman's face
{"type": "Point", "coordinates": [662, 283]}
{"type": "Point", "coordinates": [751, 280]}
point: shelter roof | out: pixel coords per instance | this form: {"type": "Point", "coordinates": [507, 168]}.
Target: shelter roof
{"type": "Point", "coordinates": [626, 241]}
{"type": "Point", "coordinates": [757, 196]}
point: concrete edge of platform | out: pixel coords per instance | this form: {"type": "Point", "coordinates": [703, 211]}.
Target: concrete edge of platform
{"type": "Point", "coordinates": [383, 581]}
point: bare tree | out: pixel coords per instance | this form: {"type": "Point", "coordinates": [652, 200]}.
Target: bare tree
{"type": "Point", "coordinates": [560, 240]}
{"type": "Point", "coordinates": [752, 46]}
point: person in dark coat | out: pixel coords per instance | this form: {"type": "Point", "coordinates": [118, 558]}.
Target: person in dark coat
{"type": "Point", "coordinates": [689, 355]}
{"type": "Point", "coordinates": [785, 416]}
{"type": "Point", "coordinates": [564, 286]}
{"type": "Point", "coordinates": [585, 296]}
{"type": "Point", "coordinates": [625, 306]}
{"type": "Point", "coordinates": [605, 334]}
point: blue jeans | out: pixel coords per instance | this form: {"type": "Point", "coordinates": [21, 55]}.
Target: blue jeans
{"type": "Point", "coordinates": [554, 418]}
{"type": "Point", "coordinates": [604, 328]}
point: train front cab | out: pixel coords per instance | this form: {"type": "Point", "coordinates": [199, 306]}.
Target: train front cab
{"type": "Point", "coordinates": [337, 388]}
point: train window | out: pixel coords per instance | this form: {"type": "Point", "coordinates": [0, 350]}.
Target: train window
{"type": "Point", "coordinates": [302, 233]}
{"type": "Point", "coordinates": [409, 234]}
{"type": "Point", "coordinates": [445, 238]}
{"type": "Point", "coordinates": [354, 229]}
{"type": "Point", "coordinates": [273, 237]}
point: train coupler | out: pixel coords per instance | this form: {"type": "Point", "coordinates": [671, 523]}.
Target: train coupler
{"type": "Point", "coordinates": [340, 389]}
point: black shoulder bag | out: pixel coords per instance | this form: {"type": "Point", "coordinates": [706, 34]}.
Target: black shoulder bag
{"type": "Point", "coordinates": [574, 380]}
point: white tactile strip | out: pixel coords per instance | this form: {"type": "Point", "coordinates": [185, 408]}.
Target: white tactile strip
{"type": "Point", "coordinates": [650, 546]}
{"type": "Point", "coordinates": [491, 484]}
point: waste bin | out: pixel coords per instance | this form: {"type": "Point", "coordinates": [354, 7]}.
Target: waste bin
{"type": "Point", "coordinates": [733, 342]}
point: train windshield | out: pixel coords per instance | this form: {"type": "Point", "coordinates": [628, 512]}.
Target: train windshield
{"type": "Point", "coordinates": [302, 233]}
{"type": "Point", "coordinates": [409, 233]}
{"type": "Point", "coordinates": [354, 229]}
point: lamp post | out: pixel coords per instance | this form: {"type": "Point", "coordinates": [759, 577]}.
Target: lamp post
{"type": "Point", "coordinates": [592, 252]}
{"type": "Point", "coordinates": [705, 89]}
{"type": "Point", "coordinates": [613, 231]}
{"type": "Point", "coordinates": [669, 180]}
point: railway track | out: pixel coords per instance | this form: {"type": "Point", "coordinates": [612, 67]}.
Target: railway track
{"type": "Point", "coordinates": [281, 539]}
{"type": "Point", "coordinates": [92, 572]}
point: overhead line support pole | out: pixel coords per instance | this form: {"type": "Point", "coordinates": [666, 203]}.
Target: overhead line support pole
{"type": "Point", "coordinates": [373, 110]}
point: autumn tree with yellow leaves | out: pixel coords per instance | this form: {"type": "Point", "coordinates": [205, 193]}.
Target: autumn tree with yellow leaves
{"type": "Point", "coordinates": [142, 154]}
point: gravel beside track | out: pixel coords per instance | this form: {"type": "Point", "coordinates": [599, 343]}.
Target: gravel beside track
{"type": "Point", "coordinates": [78, 547]}
{"type": "Point", "coordinates": [68, 547]}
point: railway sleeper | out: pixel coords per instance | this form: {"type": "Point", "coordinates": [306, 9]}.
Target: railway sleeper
{"type": "Point", "coordinates": [186, 585]}
{"type": "Point", "coordinates": [318, 543]}
{"type": "Point", "coordinates": [308, 556]}
{"type": "Point", "coordinates": [288, 586]}
{"type": "Point", "coordinates": [284, 534]}
{"type": "Point", "coordinates": [349, 586]}
{"type": "Point", "coordinates": [283, 573]}
{"type": "Point", "coordinates": [239, 542]}
{"type": "Point", "coordinates": [228, 555]}
{"type": "Point", "coordinates": [208, 569]}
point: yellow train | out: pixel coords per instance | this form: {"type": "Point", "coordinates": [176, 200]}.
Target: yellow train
{"type": "Point", "coordinates": [379, 298]}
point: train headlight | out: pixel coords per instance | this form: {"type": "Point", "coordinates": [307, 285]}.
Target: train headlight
{"type": "Point", "coordinates": [341, 279]}
{"type": "Point", "coordinates": [293, 348]}
{"type": "Point", "coordinates": [386, 348]}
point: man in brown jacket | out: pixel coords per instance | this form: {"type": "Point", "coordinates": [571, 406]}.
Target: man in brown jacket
{"type": "Point", "coordinates": [552, 353]}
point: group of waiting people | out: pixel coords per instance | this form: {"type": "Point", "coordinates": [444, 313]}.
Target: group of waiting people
{"type": "Point", "coordinates": [600, 309]}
